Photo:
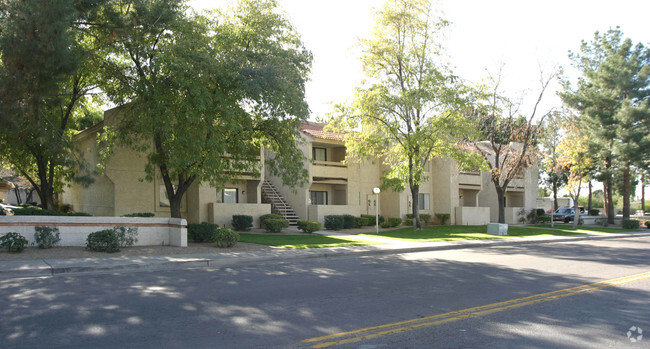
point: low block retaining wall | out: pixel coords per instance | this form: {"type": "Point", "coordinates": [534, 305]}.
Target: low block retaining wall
{"type": "Point", "coordinates": [74, 230]}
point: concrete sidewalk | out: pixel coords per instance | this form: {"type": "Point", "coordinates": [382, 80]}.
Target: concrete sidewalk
{"type": "Point", "coordinates": [31, 268]}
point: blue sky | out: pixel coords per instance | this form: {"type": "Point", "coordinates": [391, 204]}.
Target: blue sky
{"type": "Point", "coordinates": [523, 35]}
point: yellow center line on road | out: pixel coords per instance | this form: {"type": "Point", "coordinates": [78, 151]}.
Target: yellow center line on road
{"type": "Point", "coordinates": [412, 324]}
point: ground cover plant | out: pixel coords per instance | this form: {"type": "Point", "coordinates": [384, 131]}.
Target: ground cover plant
{"type": "Point", "coordinates": [302, 241]}
{"type": "Point", "coordinates": [583, 229]}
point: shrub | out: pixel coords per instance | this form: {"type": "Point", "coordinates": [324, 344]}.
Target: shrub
{"type": "Point", "coordinates": [334, 222]}
{"type": "Point", "coordinates": [13, 241]}
{"type": "Point", "coordinates": [203, 232]}
{"type": "Point", "coordinates": [544, 219]}
{"type": "Point", "coordinates": [308, 226]}
{"type": "Point", "coordinates": [425, 218]}
{"type": "Point", "coordinates": [647, 224]}
{"type": "Point", "coordinates": [371, 218]}
{"type": "Point", "coordinates": [602, 222]}
{"type": "Point", "coordinates": [391, 222]}
{"type": "Point", "coordinates": [409, 216]}
{"type": "Point", "coordinates": [126, 236]}
{"type": "Point", "coordinates": [37, 211]}
{"type": "Point", "coordinates": [359, 222]}
{"type": "Point", "coordinates": [263, 218]}
{"type": "Point", "coordinates": [46, 237]}
{"type": "Point", "coordinates": [139, 214]}
{"type": "Point", "coordinates": [103, 241]}
{"type": "Point", "coordinates": [242, 222]}
{"type": "Point", "coordinates": [443, 217]}
{"type": "Point", "coordinates": [540, 212]}
{"type": "Point", "coordinates": [631, 224]}
{"type": "Point", "coordinates": [276, 225]}
{"type": "Point", "coordinates": [225, 237]}
{"type": "Point", "coordinates": [594, 212]}
{"type": "Point", "coordinates": [408, 221]}
{"type": "Point", "coordinates": [348, 221]}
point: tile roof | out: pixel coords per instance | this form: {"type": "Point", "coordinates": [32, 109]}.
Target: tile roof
{"type": "Point", "coordinates": [317, 131]}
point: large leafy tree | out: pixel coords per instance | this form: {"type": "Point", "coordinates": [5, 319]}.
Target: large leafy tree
{"type": "Point", "coordinates": [556, 176]}
{"type": "Point", "coordinates": [45, 78]}
{"type": "Point", "coordinates": [510, 136]}
{"type": "Point", "coordinates": [409, 110]}
{"type": "Point", "coordinates": [205, 93]}
{"type": "Point", "coordinates": [611, 96]}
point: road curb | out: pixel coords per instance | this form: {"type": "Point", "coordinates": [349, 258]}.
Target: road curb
{"type": "Point", "coordinates": [16, 269]}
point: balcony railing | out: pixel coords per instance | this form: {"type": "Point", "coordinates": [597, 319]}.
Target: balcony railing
{"type": "Point", "coordinates": [329, 163]}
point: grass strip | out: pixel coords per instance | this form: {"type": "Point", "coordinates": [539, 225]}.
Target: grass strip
{"type": "Point", "coordinates": [477, 232]}
{"type": "Point", "coordinates": [302, 241]}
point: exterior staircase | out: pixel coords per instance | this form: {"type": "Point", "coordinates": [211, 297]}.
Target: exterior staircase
{"type": "Point", "coordinates": [279, 205]}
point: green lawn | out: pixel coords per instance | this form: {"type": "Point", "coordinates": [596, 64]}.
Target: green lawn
{"type": "Point", "coordinates": [302, 241]}
{"type": "Point", "coordinates": [584, 229]}
{"type": "Point", "coordinates": [453, 232]}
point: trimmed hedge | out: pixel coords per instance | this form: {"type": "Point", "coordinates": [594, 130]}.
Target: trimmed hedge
{"type": "Point", "coordinates": [242, 222]}
{"type": "Point", "coordinates": [408, 221]}
{"type": "Point", "coordinates": [371, 218]}
{"type": "Point", "coordinates": [103, 241]}
{"type": "Point", "coordinates": [37, 211]}
{"type": "Point", "coordinates": [203, 232]}
{"type": "Point", "coordinates": [225, 238]}
{"type": "Point", "coordinates": [264, 217]}
{"type": "Point", "coordinates": [348, 221]}
{"type": "Point", "coordinates": [276, 225]}
{"type": "Point", "coordinates": [443, 217]}
{"type": "Point", "coordinates": [334, 222]}
{"type": "Point", "coordinates": [308, 226]}
{"type": "Point", "coordinates": [140, 214]}
{"type": "Point", "coordinates": [631, 224]}
{"type": "Point", "coordinates": [544, 219]}
{"type": "Point", "coordinates": [594, 212]}
{"type": "Point", "coordinates": [391, 222]}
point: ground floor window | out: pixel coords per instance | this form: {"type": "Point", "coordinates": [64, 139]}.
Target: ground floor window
{"type": "Point", "coordinates": [230, 196]}
{"type": "Point", "coordinates": [317, 197]}
{"type": "Point", "coordinates": [423, 202]}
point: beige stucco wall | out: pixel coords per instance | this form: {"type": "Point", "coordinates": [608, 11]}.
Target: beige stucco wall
{"type": "Point", "coordinates": [472, 215]}
{"type": "Point", "coordinates": [318, 212]}
{"type": "Point", "coordinates": [221, 214]}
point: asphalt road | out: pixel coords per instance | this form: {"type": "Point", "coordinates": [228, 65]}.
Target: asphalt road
{"type": "Point", "coordinates": [560, 295]}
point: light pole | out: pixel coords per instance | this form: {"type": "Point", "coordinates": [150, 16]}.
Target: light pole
{"type": "Point", "coordinates": [376, 191]}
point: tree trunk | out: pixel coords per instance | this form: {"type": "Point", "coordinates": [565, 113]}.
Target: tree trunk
{"type": "Point", "coordinates": [608, 193]}
{"type": "Point", "coordinates": [643, 193]}
{"type": "Point", "coordinates": [555, 204]}
{"type": "Point", "coordinates": [175, 206]}
{"type": "Point", "coordinates": [415, 193]}
{"type": "Point", "coordinates": [589, 198]}
{"type": "Point", "coordinates": [500, 196]}
{"type": "Point", "coordinates": [626, 191]}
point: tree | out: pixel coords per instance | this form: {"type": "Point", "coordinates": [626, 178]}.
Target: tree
{"type": "Point", "coordinates": [611, 96]}
{"type": "Point", "coordinates": [409, 110]}
{"type": "Point", "coordinates": [45, 75]}
{"type": "Point", "coordinates": [556, 175]}
{"type": "Point", "coordinates": [511, 138]}
{"type": "Point", "coordinates": [205, 93]}
{"type": "Point", "coordinates": [576, 160]}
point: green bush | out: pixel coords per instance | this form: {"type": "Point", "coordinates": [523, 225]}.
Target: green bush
{"type": "Point", "coordinates": [371, 218]}
{"type": "Point", "coordinates": [263, 218]}
{"type": "Point", "coordinates": [425, 218]}
{"type": "Point", "coordinates": [225, 237]}
{"type": "Point", "coordinates": [408, 221]}
{"type": "Point", "coordinates": [334, 222]}
{"type": "Point", "coordinates": [37, 211]}
{"type": "Point", "coordinates": [544, 219]}
{"type": "Point", "coordinates": [103, 241]}
{"type": "Point", "coordinates": [647, 224]}
{"type": "Point", "coordinates": [359, 222]}
{"type": "Point", "coordinates": [203, 232]}
{"type": "Point", "coordinates": [348, 221]}
{"type": "Point", "coordinates": [308, 226]}
{"type": "Point", "coordinates": [409, 216]}
{"type": "Point", "coordinates": [13, 241]}
{"type": "Point", "coordinates": [140, 214]}
{"type": "Point", "coordinates": [540, 212]}
{"type": "Point", "coordinates": [276, 225]}
{"type": "Point", "coordinates": [126, 236]}
{"type": "Point", "coordinates": [391, 222]}
{"type": "Point", "coordinates": [46, 237]}
{"type": "Point", "coordinates": [631, 224]}
{"type": "Point", "coordinates": [443, 217]}
{"type": "Point", "coordinates": [242, 222]}
{"type": "Point", "coordinates": [594, 212]}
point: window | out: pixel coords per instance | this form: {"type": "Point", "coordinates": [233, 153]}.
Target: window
{"type": "Point", "coordinates": [423, 201]}
{"type": "Point", "coordinates": [318, 197]}
{"type": "Point", "coordinates": [319, 154]}
{"type": "Point", "coordinates": [163, 199]}
{"type": "Point", "coordinates": [229, 196]}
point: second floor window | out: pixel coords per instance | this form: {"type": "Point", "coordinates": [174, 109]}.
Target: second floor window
{"type": "Point", "coordinates": [319, 154]}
